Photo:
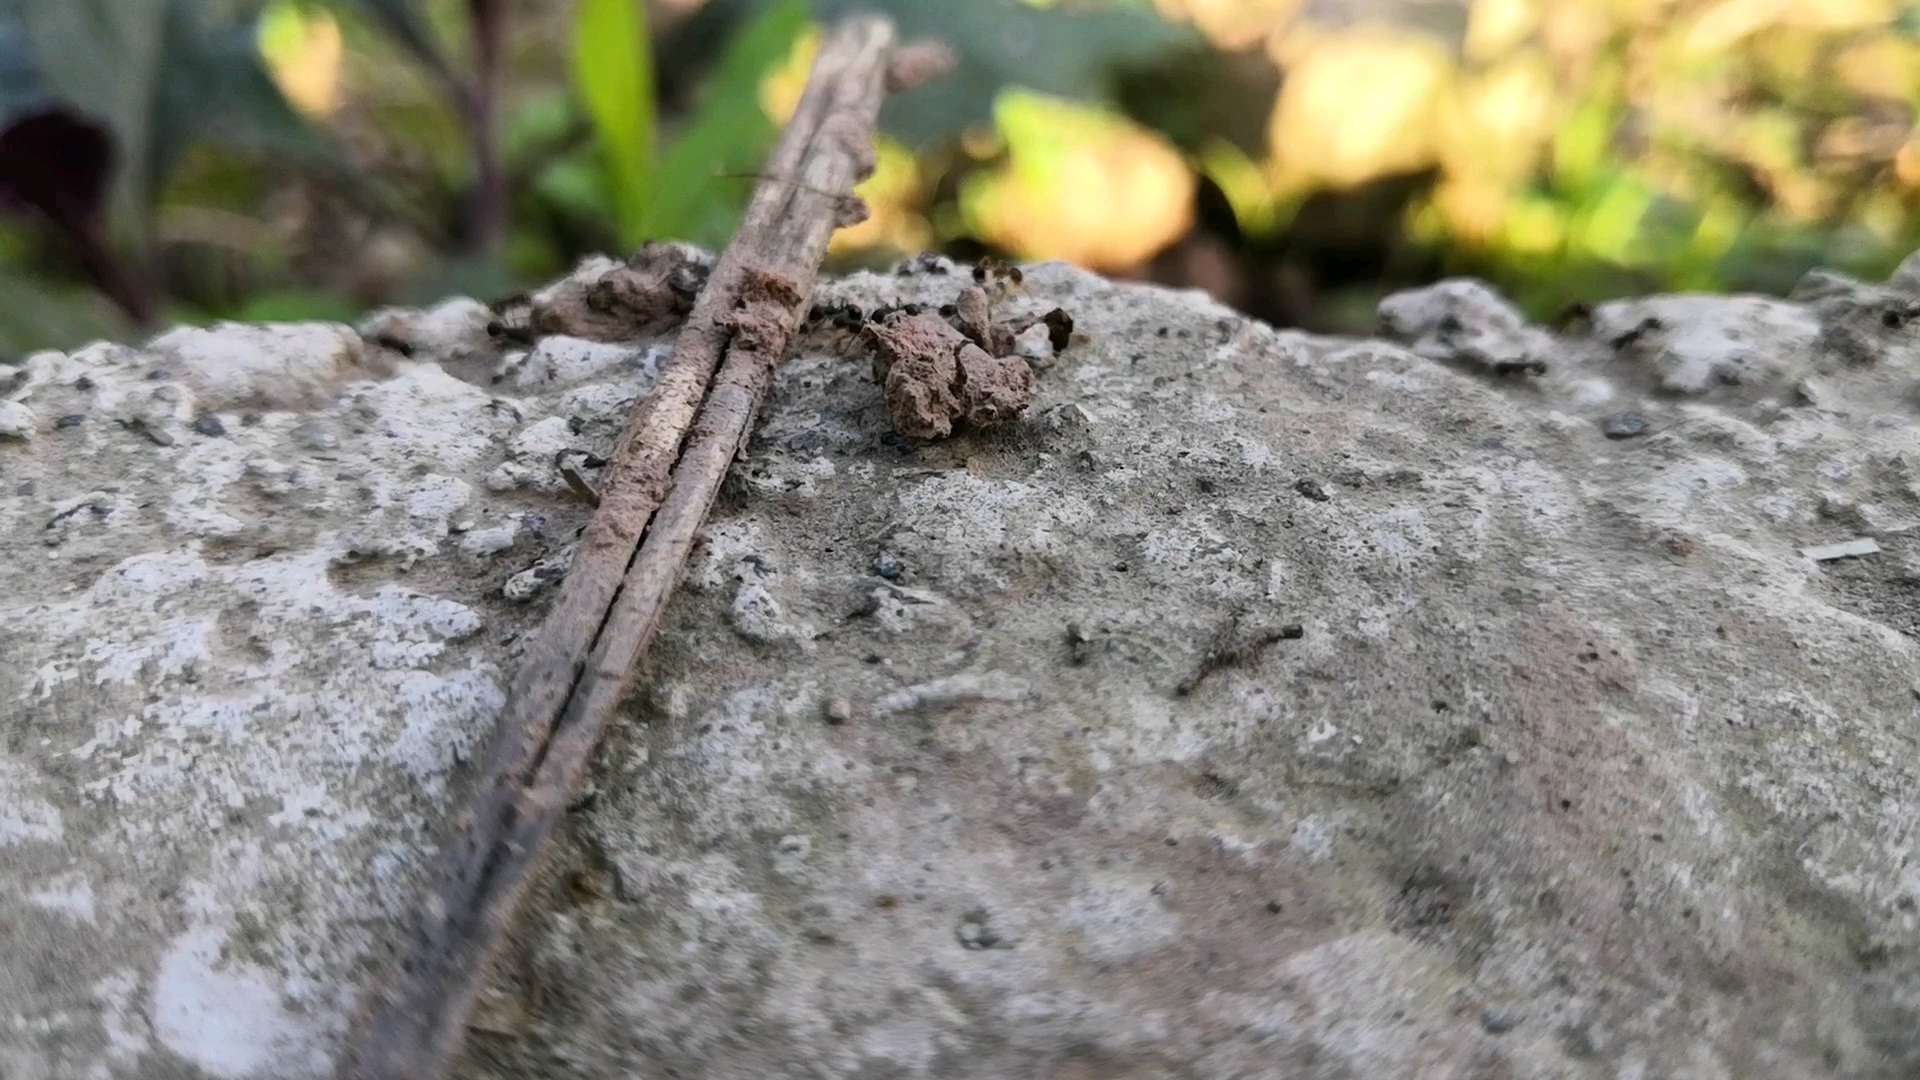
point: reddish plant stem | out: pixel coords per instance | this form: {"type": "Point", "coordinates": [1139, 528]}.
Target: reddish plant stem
{"type": "Point", "coordinates": [487, 211]}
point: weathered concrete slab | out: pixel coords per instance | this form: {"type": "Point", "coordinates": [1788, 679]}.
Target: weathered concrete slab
{"type": "Point", "coordinates": [1574, 766]}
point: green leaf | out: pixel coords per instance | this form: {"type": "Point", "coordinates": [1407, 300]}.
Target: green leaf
{"type": "Point", "coordinates": [613, 74]}
{"type": "Point", "coordinates": [576, 187]}
{"type": "Point", "coordinates": [537, 124]}
{"type": "Point", "coordinates": [407, 21]}
{"type": "Point", "coordinates": [1064, 52]}
{"type": "Point", "coordinates": [36, 315]}
{"type": "Point", "coordinates": [215, 86]}
{"type": "Point", "coordinates": [298, 306]}
{"type": "Point", "coordinates": [103, 57]}
{"type": "Point", "coordinates": [1906, 23]}
{"type": "Point", "coordinates": [700, 191]}
{"type": "Point", "coordinates": [52, 158]}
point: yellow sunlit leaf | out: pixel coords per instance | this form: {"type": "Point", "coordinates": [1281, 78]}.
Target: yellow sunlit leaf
{"type": "Point", "coordinates": [1838, 15]}
{"type": "Point", "coordinates": [1535, 227]}
{"type": "Point", "coordinates": [302, 51]}
{"type": "Point", "coordinates": [1359, 105]}
{"type": "Point", "coordinates": [1474, 209]}
{"type": "Point", "coordinates": [894, 195]}
{"type": "Point", "coordinates": [1803, 197]}
{"type": "Point", "coordinates": [1255, 203]}
{"type": "Point", "coordinates": [1884, 216]}
{"type": "Point", "coordinates": [1883, 66]}
{"type": "Point", "coordinates": [1608, 229]}
{"type": "Point", "coordinates": [1906, 164]}
{"type": "Point", "coordinates": [1231, 24]}
{"type": "Point", "coordinates": [1574, 35]}
{"type": "Point", "coordinates": [981, 142]}
{"type": "Point", "coordinates": [1720, 225]}
{"type": "Point", "coordinates": [1080, 184]}
{"type": "Point", "coordinates": [1497, 123]}
{"type": "Point", "coordinates": [1724, 24]}
{"type": "Point", "coordinates": [780, 90]}
{"type": "Point", "coordinates": [1770, 140]}
{"type": "Point", "coordinates": [1497, 27]}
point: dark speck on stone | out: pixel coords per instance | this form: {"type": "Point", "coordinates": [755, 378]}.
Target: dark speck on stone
{"type": "Point", "coordinates": [1311, 489]}
{"type": "Point", "coordinates": [210, 426]}
{"type": "Point", "coordinates": [1498, 1021]}
{"type": "Point", "coordinates": [67, 421]}
{"type": "Point", "coordinates": [975, 933]}
{"type": "Point", "coordinates": [83, 383]}
{"type": "Point", "coordinates": [887, 565]}
{"type": "Point", "coordinates": [1624, 425]}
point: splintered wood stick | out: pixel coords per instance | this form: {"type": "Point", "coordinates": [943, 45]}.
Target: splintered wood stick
{"type": "Point", "coordinates": [578, 668]}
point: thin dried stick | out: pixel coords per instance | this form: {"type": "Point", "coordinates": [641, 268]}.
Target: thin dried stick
{"type": "Point", "coordinates": [577, 670]}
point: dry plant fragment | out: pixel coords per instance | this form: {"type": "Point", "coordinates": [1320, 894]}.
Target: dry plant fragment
{"type": "Point", "coordinates": [915, 362]}
{"type": "Point", "coordinates": [653, 291]}
{"type": "Point", "coordinates": [917, 64]}
{"type": "Point", "coordinates": [657, 487]}
{"type": "Point", "coordinates": [937, 374]}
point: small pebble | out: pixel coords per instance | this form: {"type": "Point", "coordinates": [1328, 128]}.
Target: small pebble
{"type": "Point", "coordinates": [314, 435]}
{"type": "Point", "coordinates": [155, 434]}
{"type": "Point", "coordinates": [16, 421]}
{"type": "Point", "coordinates": [210, 426]}
{"type": "Point", "coordinates": [1310, 488]}
{"type": "Point", "coordinates": [887, 565]}
{"type": "Point", "coordinates": [1498, 1021]}
{"type": "Point", "coordinates": [69, 420]}
{"type": "Point", "coordinates": [975, 933]}
{"type": "Point", "coordinates": [838, 710]}
{"type": "Point", "coordinates": [1624, 425]}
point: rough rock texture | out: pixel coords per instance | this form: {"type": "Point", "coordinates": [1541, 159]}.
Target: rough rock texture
{"type": "Point", "coordinates": [1257, 705]}
{"type": "Point", "coordinates": [935, 376]}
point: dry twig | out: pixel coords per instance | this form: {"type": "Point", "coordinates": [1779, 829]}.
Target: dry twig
{"type": "Point", "coordinates": [609, 607]}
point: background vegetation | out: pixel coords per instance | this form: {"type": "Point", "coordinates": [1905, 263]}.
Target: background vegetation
{"type": "Point", "coordinates": [187, 160]}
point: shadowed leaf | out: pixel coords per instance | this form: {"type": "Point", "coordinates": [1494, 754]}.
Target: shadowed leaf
{"type": "Point", "coordinates": [613, 74]}
{"type": "Point", "coordinates": [102, 58]}
{"type": "Point", "coordinates": [700, 193]}
{"type": "Point", "coordinates": [406, 20]}
{"type": "Point", "coordinates": [1061, 52]}
{"type": "Point", "coordinates": [215, 86]}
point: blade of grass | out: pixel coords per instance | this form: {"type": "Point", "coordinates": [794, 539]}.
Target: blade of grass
{"type": "Point", "coordinates": [613, 74]}
{"type": "Point", "coordinates": [727, 134]}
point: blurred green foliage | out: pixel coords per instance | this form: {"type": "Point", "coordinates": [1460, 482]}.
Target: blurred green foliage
{"type": "Point", "coordinates": [613, 69]}
{"type": "Point", "coordinates": [265, 159]}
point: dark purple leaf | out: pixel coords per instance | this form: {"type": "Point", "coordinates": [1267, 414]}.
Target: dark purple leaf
{"type": "Point", "coordinates": [56, 162]}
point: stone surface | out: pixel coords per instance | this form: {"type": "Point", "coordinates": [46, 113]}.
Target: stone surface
{"type": "Point", "coordinates": [1574, 767]}
{"type": "Point", "coordinates": [16, 421]}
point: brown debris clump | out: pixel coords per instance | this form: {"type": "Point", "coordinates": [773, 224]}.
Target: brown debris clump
{"type": "Point", "coordinates": [653, 291]}
{"type": "Point", "coordinates": [936, 376]}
